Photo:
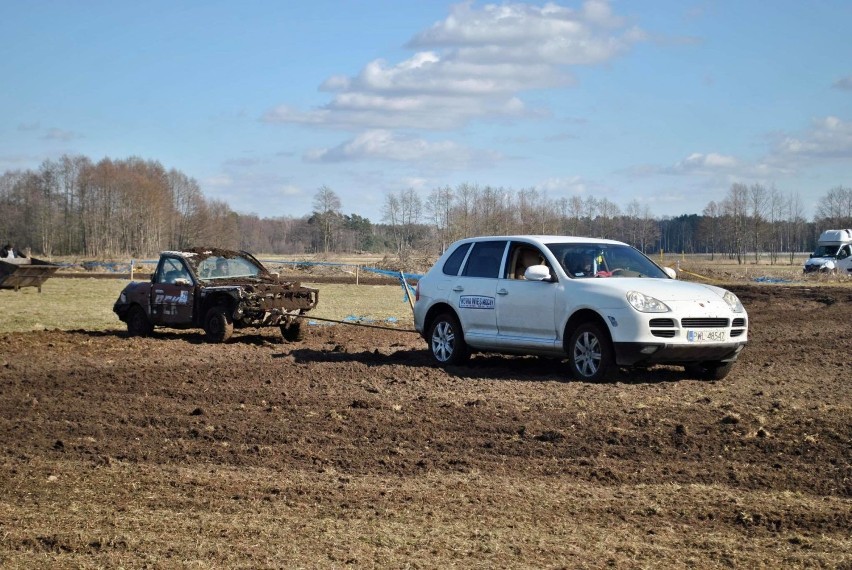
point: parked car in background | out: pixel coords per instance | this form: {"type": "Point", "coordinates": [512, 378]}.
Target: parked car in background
{"type": "Point", "coordinates": [598, 303]}
{"type": "Point", "coordinates": [217, 290]}
{"type": "Point", "coordinates": [833, 253]}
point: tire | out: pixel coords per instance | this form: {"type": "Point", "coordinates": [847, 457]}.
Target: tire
{"type": "Point", "coordinates": [446, 340]}
{"type": "Point", "coordinates": [293, 333]}
{"type": "Point", "coordinates": [590, 353]}
{"type": "Point", "coordinates": [709, 370]}
{"type": "Point", "coordinates": [218, 324]}
{"type": "Point", "coordinates": [138, 323]}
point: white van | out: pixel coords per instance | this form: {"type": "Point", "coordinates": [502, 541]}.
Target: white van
{"type": "Point", "coordinates": [833, 253]}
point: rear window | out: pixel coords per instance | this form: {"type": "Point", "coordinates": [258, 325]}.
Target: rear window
{"type": "Point", "coordinates": [485, 259]}
{"type": "Point", "coordinates": [453, 263]}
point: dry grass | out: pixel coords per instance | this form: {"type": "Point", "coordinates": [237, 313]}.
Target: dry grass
{"type": "Point", "coordinates": [70, 304]}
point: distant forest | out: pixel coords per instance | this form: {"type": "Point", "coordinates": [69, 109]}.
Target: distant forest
{"type": "Point", "coordinates": [135, 208]}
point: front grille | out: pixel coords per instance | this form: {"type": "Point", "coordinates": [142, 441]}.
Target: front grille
{"type": "Point", "coordinates": [738, 322]}
{"type": "Point", "coordinates": [736, 332]}
{"type": "Point", "coordinates": [662, 323]}
{"type": "Point", "coordinates": [704, 323]}
{"type": "Point", "coordinates": [663, 333]}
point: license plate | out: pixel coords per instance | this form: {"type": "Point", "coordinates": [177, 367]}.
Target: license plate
{"type": "Point", "coordinates": [706, 335]}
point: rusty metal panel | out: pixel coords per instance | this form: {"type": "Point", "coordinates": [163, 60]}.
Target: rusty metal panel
{"type": "Point", "coordinates": [31, 272]}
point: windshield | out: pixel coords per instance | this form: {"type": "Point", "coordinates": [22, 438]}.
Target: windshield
{"type": "Point", "coordinates": [227, 267]}
{"type": "Point", "coordinates": [581, 260]}
{"type": "Point", "coordinates": [826, 250]}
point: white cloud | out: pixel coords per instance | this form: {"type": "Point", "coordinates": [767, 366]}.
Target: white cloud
{"type": "Point", "coordinates": [828, 138]}
{"type": "Point", "coordinates": [59, 135]}
{"type": "Point", "coordinates": [290, 190]}
{"type": "Point", "coordinates": [721, 168]}
{"type": "Point", "coordinates": [573, 185]}
{"type": "Point", "coordinates": [698, 162]}
{"type": "Point", "coordinates": [844, 83]}
{"type": "Point", "coordinates": [474, 64]}
{"type": "Point", "coordinates": [526, 33]}
{"type": "Point", "coordinates": [220, 181]}
{"type": "Point", "coordinates": [379, 144]}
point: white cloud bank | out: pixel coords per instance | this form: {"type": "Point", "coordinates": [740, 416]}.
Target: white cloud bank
{"type": "Point", "coordinates": [379, 144]}
{"type": "Point", "coordinates": [474, 64]}
{"type": "Point", "coordinates": [828, 138]}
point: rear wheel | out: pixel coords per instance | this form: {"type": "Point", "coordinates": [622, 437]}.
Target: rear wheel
{"type": "Point", "coordinates": [446, 340]}
{"type": "Point", "coordinates": [294, 332]}
{"type": "Point", "coordinates": [710, 370]}
{"type": "Point", "coordinates": [218, 324]}
{"type": "Point", "coordinates": [138, 323]}
{"type": "Point", "coordinates": [590, 353]}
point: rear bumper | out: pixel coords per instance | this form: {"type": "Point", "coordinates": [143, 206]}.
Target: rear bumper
{"type": "Point", "coordinates": [640, 353]}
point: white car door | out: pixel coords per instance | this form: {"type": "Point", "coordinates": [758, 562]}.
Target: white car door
{"type": "Point", "coordinates": [844, 260]}
{"type": "Point", "coordinates": [472, 293]}
{"type": "Point", "coordinates": [526, 310]}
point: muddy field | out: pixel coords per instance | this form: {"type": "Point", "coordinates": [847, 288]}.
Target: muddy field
{"type": "Point", "coordinates": [351, 450]}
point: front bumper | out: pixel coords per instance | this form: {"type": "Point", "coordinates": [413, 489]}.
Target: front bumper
{"type": "Point", "coordinates": [121, 310]}
{"type": "Point", "coordinates": [641, 353]}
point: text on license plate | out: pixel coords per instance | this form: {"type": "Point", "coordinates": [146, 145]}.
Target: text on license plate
{"type": "Point", "coordinates": [706, 335]}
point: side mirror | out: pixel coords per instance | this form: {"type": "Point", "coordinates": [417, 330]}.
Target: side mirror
{"type": "Point", "coordinates": [537, 273]}
{"type": "Point", "coordinates": [670, 272]}
{"type": "Point", "coordinates": [275, 274]}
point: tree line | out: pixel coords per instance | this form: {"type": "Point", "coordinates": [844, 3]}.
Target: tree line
{"type": "Point", "coordinates": [134, 207]}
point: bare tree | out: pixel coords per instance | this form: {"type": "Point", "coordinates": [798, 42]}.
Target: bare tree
{"type": "Point", "coordinates": [795, 223]}
{"type": "Point", "coordinates": [834, 210]}
{"type": "Point", "coordinates": [464, 211]}
{"type": "Point", "coordinates": [710, 227]}
{"type": "Point", "coordinates": [758, 198]}
{"type": "Point", "coordinates": [734, 207]}
{"type": "Point", "coordinates": [439, 206]}
{"type": "Point", "coordinates": [190, 210]}
{"type": "Point", "coordinates": [775, 212]}
{"type": "Point", "coordinates": [327, 210]}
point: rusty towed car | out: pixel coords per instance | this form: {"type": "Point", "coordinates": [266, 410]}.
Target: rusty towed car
{"type": "Point", "coordinates": [217, 290]}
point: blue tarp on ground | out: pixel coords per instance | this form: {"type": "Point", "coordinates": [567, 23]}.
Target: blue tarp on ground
{"type": "Point", "coordinates": [772, 280]}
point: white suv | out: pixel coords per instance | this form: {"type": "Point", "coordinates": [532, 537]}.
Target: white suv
{"type": "Point", "coordinates": [600, 303]}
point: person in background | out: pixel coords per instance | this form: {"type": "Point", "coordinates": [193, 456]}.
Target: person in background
{"type": "Point", "coordinates": [9, 251]}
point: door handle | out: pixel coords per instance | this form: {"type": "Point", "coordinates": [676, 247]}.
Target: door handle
{"type": "Point", "coordinates": [458, 288]}
{"type": "Point", "coordinates": [502, 292]}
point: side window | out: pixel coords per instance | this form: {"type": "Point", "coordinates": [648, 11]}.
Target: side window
{"type": "Point", "coordinates": [171, 270]}
{"type": "Point", "coordinates": [453, 263]}
{"type": "Point", "coordinates": [485, 259]}
{"type": "Point", "coordinates": [843, 253]}
{"type": "Point", "coordinates": [521, 256]}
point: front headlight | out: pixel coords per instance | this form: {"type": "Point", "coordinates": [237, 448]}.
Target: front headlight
{"type": "Point", "coordinates": [645, 304]}
{"type": "Point", "coordinates": [122, 298]}
{"type": "Point", "coordinates": [733, 302]}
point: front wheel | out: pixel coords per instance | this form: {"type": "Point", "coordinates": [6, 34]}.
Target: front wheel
{"type": "Point", "coordinates": [446, 340]}
{"type": "Point", "coordinates": [710, 370]}
{"type": "Point", "coordinates": [218, 324]}
{"type": "Point", "coordinates": [590, 353]}
{"type": "Point", "coordinates": [138, 323]}
{"type": "Point", "coordinates": [293, 333]}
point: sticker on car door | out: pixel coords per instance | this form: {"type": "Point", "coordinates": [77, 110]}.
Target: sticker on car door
{"type": "Point", "coordinates": [476, 302]}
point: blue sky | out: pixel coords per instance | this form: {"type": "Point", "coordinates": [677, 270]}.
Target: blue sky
{"type": "Point", "coordinates": [662, 102]}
